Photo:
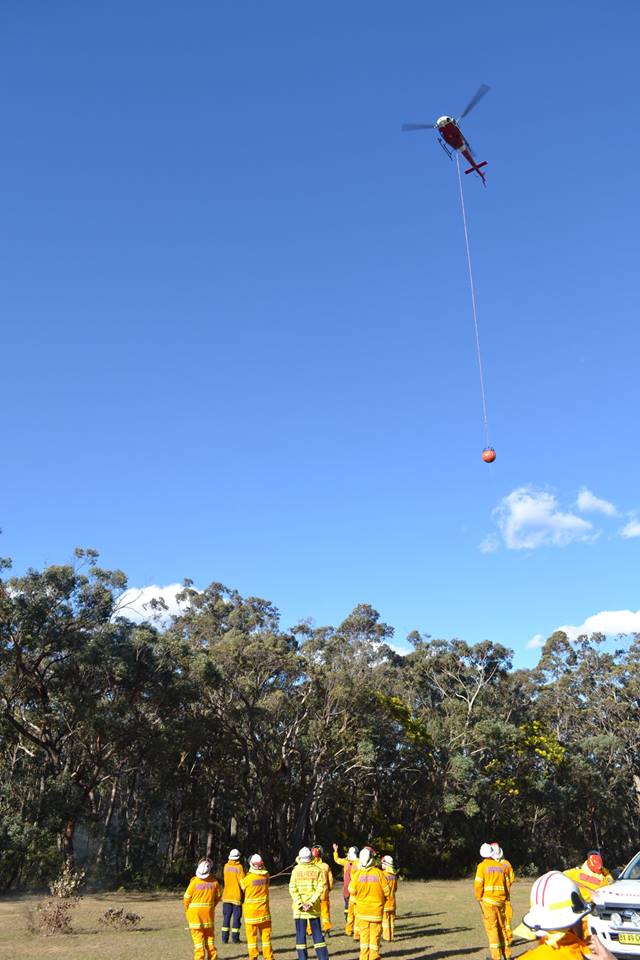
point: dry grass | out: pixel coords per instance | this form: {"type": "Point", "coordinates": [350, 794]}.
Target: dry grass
{"type": "Point", "coordinates": [437, 919]}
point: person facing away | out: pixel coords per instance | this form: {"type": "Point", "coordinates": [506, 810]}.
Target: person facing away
{"type": "Point", "coordinates": [232, 874]}
{"type": "Point", "coordinates": [371, 888]}
{"type": "Point", "coordinates": [306, 888]}
{"type": "Point", "coordinates": [347, 863]}
{"type": "Point", "coordinates": [325, 903]}
{"type": "Point", "coordinates": [199, 902]}
{"type": "Point", "coordinates": [255, 909]}
{"type": "Point", "coordinates": [389, 913]}
{"type": "Point", "coordinates": [491, 888]}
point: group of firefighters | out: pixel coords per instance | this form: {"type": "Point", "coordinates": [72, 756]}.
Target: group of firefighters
{"type": "Point", "coordinates": [559, 906]}
{"type": "Point", "coordinates": [369, 893]}
{"type": "Point", "coordinates": [556, 918]}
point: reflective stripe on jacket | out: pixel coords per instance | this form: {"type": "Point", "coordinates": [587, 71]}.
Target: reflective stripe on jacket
{"type": "Point", "coordinates": [371, 889]}
{"type": "Point", "coordinates": [255, 886]}
{"type": "Point", "coordinates": [306, 885]}
{"type": "Point", "coordinates": [200, 899]}
{"type": "Point", "coordinates": [588, 882]}
{"type": "Point", "coordinates": [492, 882]}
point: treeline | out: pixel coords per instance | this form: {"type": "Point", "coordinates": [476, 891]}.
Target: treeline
{"type": "Point", "coordinates": [133, 749]}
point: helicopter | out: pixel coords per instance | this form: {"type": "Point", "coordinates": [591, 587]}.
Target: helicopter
{"type": "Point", "coordinates": [451, 136]}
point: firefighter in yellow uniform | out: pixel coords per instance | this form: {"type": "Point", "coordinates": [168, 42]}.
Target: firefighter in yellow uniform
{"type": "Point", "coordinates": [232, 874]}
{"type": "Point", "coordinates": [349, 865]}
{"type": "Point", "coordinates": [306, 888]}
{"type": "Point", "coordinates": [389, 914]}
{"type": "Point", "coordinates": [555, 916]}
{"type": "Point", "coordinates": [491, 889]}
{"type": "Point", "coordinates": [255, 910]}
{"type": "Point", "coordinates": [371, 889]}
{"type": "Point", "coordinates": [591, 876]}
{"type": "Point", "coordinates": [325, 903]}
{"type": "Point", "coordinates": [199, 901]}
{"type": "Point", "coordinates": [511, 879]}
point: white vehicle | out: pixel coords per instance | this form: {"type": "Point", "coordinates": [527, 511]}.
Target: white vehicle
{"type": "Point", "coordinates": [616, 915]}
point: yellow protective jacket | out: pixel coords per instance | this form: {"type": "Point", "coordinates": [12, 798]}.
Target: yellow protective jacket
{"type": "Point", "coordinates": [328, 876]}
{"type": "Point", "coordinates": [307, 885]}
{"type": "Point", "coordinates": [199, 901]}
{"type": "Point", "coordinates": [255, 886]}
{"type": "Point", "coordinates": [392, 877]}
{"type": "Point", "coordinates": [559, 946]}
{"type": "Point", "coordinates": [492, 883]}
{"type": "Point", "coordinates": [232, 875]}
{"type": "Point", "coordinates": [370, 887]}
{"type": "Point", "coordinates": [588, 881]}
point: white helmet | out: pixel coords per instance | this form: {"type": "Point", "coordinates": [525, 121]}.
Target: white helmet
{"type": "Point", "coordinates": [257, 861]}
{"type": "Point", "coordinates": [387, 862]}
{"type": "Point", "coordinates": [486, 851]}
{"type": "Point", "coordinates": [304, 855]}
{"type": "Point", "coordinates": [555, 903]}
{"type": "Point", "coordinates": [204, 868]}
{"type": "Point", "coordinates": [353, 854]}
{"type": "Point", "coordinates": [365, 857]}
{"type": "Point", "coordinates": [498, 852]}
{"type": "Point", "coordinates": [234, 854]}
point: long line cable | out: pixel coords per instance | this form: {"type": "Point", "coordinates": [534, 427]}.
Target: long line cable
{"type": "Point", "coordinates": [473, 305]}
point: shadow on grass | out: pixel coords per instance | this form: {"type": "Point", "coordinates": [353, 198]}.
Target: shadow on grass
{"type": "Point", "coordinates": [453, 953]}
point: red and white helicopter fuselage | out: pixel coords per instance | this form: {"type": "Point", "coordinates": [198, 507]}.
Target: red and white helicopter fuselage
{"type": "Point", "coordinates": [452, 135]}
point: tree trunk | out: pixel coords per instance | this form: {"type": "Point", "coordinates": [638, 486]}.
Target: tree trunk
{"type": "Point", "coordinates": [107, 823]}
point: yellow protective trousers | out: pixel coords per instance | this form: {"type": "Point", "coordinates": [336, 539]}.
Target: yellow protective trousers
{"type": "Point", "coordinates": [203, 946]}
{"type": "Point", "coordinates": [351, 928]}
{"type": "Point", "coordinates": [370, 933]}
{"type": "Point", "coordinates": [251, 931]}
{"type": "Point", "coordinates": [325, 913]}
{"type": "Point", "coordinates": [498, 933]}
{"type": "Point", "coordinates": [388, 925]}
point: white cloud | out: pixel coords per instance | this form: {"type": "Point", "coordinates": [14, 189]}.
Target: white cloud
{"type": "Point", "coordinates": [587, 502]}
{"type": "Point", "coordinates": [609, 622]}
{"type": "Point", "coordinates": [631, 529]}
{"type": "Point", "coordinates": [489, 544]}
{"type": "Point", "coordinates": [536, 642]}
{"type": "Point", "coordinates": [135, 603]}
{"type": "Point", "coordinates": [530, 518]}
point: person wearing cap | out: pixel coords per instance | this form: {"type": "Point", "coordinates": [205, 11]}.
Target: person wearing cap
{"type": "Point", "coordinates": [306, 888]}
{"type": "Point", "coordinates": [255, 909]}
{"type": "Point", "coordinates": [347, 863]}
{"type": "Point", "coordinates": [389, 913]}
{"type": "Point", "coordinates": [371, 889]}
{"type": "Point", "coordinates": [492, 887]}
{"type": "Point", "coordinates": [199, 901]}
{"type": "Point", "coordinates": [232, 874]}
{"type": "Point", "coordinates": [325, 902]}
{"type": "Point", "coordinates": [555, 917]}
{"type": "Point", "coordinates": [591, 876]}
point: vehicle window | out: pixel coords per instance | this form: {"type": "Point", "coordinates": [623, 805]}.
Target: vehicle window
{"type": "Point", "coordinates": [632, 872]}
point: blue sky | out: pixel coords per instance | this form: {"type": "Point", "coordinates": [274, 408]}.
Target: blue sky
{"type": "Point", "coordinates": [237, 339]}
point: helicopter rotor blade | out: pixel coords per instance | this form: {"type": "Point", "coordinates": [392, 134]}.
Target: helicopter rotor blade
{"type": "Point", "coordinates": [482, 89]}
{"type": "Point", "coordinates": [417, 126]}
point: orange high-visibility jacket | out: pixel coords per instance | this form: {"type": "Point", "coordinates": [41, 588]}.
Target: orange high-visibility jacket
{"type": "Point", "coordinates": [567, 947]}
{"type": "Point", "coordinates": [588, 881]}
{"type": "Point", "coordinates": [232, 875]}
{"type": "Point", "coordinates": [200, 899]}
{"type": "Point", "coordinates": [393, 883]}
{"type": "Point", "coordinates": [256, 896]}
{"type": "Point", "coordinates": [492, 883]}
{"type": "Point", "coordinates": [371, 888]}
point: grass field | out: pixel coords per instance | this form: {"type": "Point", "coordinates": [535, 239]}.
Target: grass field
{"type": "Point", "coordinates": [436, 919]}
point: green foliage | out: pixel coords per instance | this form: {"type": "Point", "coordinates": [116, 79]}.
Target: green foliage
{"type": "Point", "coordinates": [133, 749]}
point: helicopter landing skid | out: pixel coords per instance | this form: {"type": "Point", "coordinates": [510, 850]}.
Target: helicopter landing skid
{"type": "Point", "coordinates": [448, 152]}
